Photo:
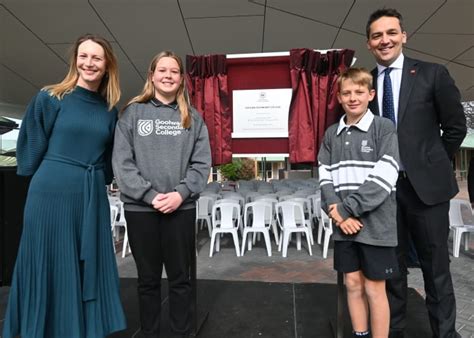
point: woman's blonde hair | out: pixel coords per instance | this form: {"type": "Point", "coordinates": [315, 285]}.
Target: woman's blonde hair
{"type": "Point", "coordinates": [182, 97]}
{"type": "Point", "coordinates": [109, 87]}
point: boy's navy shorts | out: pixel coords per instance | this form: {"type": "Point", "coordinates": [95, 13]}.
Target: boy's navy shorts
{"type": "Point", "coordinates": [375, 262]}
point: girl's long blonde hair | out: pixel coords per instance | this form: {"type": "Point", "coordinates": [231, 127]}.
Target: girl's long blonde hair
{"type": "Point", "coordinates": [109, 87]}
{"type": "Point", "coordinates": [182, 97]}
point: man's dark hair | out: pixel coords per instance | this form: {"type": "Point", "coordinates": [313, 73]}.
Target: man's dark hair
{"type": "Point", "coordinates": [390, 12]}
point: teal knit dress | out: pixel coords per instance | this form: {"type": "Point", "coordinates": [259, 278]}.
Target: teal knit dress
{"type": "Point", "coordinates": [65, 282]}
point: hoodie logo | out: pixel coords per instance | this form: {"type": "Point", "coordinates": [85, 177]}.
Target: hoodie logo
{"type": "Point", "coordinates": [159, 127]}
{"type": "Point", "coordinates": [145, 127]}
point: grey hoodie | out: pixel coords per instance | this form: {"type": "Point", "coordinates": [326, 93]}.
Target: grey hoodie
{"type": "Point", "coordinates": [153, 154]}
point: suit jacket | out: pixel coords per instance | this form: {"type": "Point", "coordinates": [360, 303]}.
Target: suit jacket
{"type": "Point", "coordinates": [431, 127]}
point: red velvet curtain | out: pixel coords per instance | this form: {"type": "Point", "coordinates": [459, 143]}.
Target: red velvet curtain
{"type": "Point", "coordinates": [314, 105]}
{"type": "Point", "coordinates": [206, 79]}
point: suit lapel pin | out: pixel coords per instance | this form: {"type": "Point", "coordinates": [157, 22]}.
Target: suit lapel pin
{"type": "Point", "coordinates": [412, 71]}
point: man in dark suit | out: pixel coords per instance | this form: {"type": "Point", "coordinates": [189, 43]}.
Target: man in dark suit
{"type": "Point", "coordinates": [424, 103]}
{"type": "Point", "coordinates": [470, 181]}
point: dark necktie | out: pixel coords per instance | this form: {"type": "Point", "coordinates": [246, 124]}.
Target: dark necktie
{"type": "Point", "coordinates": [388, 110]}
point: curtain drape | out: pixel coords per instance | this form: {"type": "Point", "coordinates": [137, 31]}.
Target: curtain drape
{"type": "Point", "coordinates": [206, 79]}
{"type": "Point", "coordinates": [314, 105]}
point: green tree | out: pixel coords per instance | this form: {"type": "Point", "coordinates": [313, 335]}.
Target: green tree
{"type": "Point", "coordinates": [239, 169]}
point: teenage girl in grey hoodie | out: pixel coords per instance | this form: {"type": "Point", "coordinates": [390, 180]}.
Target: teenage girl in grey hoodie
{"type": "Point", "coordinates": [161, 161]}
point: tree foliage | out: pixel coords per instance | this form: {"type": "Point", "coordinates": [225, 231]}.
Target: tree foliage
{"type": "Point", "coordinates": [239, 169]}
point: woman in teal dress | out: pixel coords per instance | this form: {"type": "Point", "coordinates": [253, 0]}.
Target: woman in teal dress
{"type": "Point", "coordinates": [65, 283]}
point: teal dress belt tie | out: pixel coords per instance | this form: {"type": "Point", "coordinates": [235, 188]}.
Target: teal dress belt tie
{"type": "Point", "coordinates": [90, 222]}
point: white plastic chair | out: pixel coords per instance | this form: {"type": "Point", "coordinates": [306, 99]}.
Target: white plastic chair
{"type": "Point", "coordinates": [115, 202]}
{"type": "Point", "coordinates": [268, 195]}
{"type": "Point", "coordinates": [283, 198]}
{"type": "Point", "coordinates": [122, 222]}
{"type": "Point", "coordinates": [203, 212]}
{"type": "Point", "coordinates": [288, 213]}
{"type": "Point", "coordinates": [226, 200]}
{"type": "Point", "coordinates": [226, 224]}
{"type": "Point", "coordinates": [283, 192]}
{"type": "Point", "coordinates": [457, 224]}
{"type": "Point", "coordinates": [250, 196]}
{"type": "Point", "coordinates": [272, 217]}
{"type": "Point", "coordinates": [260, 223]}
{"type": "Point", "coordinates": [231, 194]}
{"type": "Point", "coordinates": [304, 192]}
{"type": "Point", "coordinates": [211, 194]}
{"type": "Point", "coordinates": [228, 186]}
{"type": "Point", "coordinates": [326, 223]}
{"type": "Point", "coordinates": [316, 205]}
{"type": "Point", "coordinates": [113, 218]}
{"type": "Point", "coordinates": [235, 197]}
{"type": "Point", "coordinates": [307, 220]}
{"type": "Point", "coordinates": [213, 186]}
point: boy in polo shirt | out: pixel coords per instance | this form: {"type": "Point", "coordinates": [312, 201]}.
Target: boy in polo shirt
{"type": "Point", "coordinates": [358, 170]}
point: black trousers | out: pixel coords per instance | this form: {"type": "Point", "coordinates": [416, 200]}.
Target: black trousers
{"type": "Point", "coordinates": [470, 180]}
{"type": "Point", "coordinates": [157, 239]}
{"type": "Point", "coordinates": [428, 226]}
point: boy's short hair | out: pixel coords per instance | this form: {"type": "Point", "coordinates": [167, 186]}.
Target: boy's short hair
{"type": "Point", "coordinates": [360, 76]}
